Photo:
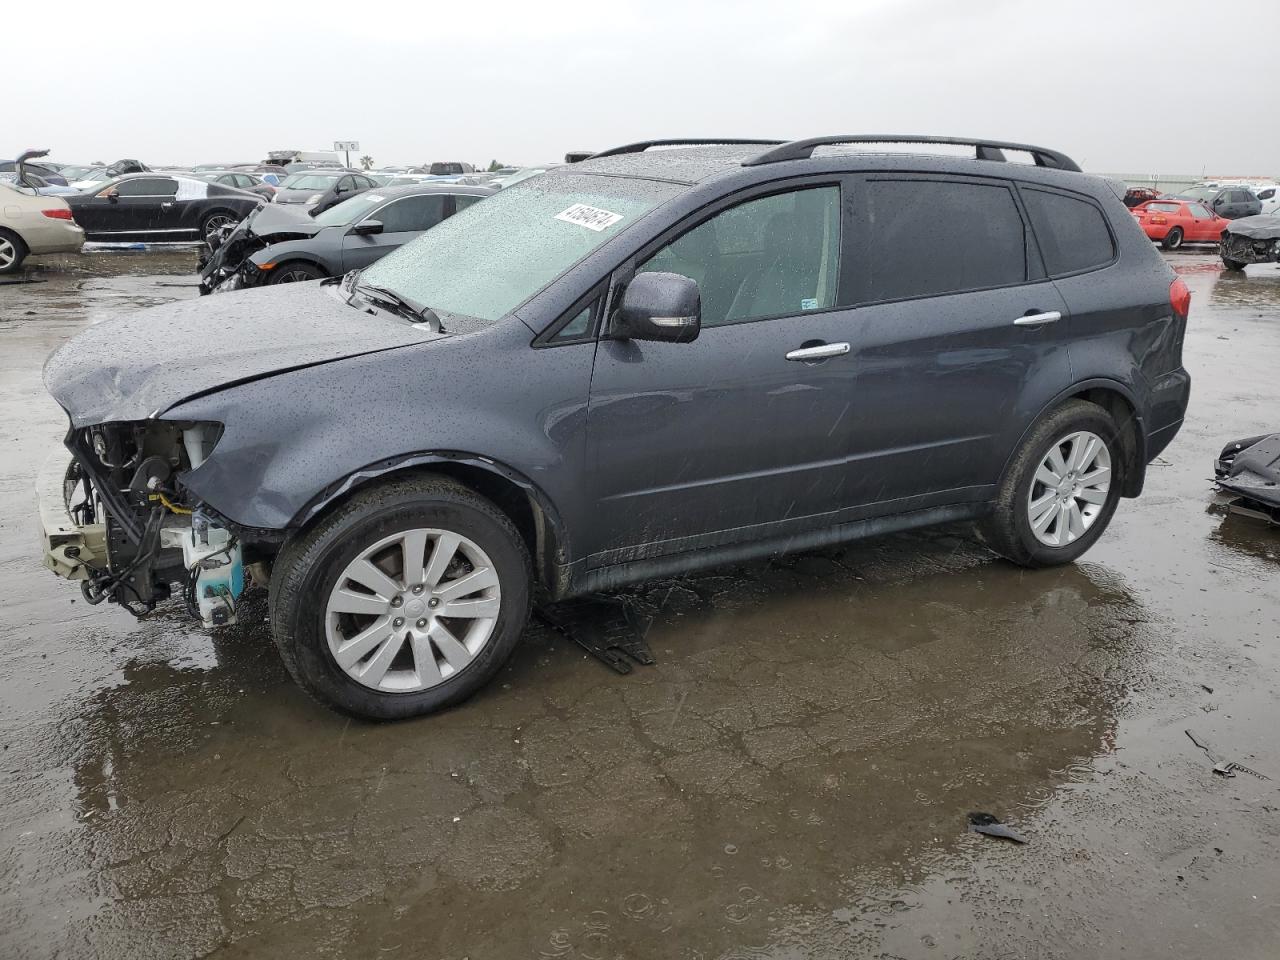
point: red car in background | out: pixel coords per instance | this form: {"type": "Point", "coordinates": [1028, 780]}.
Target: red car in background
{"type": "Point", "coordinates": [1174, 222]}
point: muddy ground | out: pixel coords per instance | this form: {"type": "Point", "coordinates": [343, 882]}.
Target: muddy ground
{"type": "Point", "coordinates": [789, 781]}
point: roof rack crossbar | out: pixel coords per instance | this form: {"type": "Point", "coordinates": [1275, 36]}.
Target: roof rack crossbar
{"type": "Point", "coordinates": [984, 149]}
{"type": "Point", "coordinates": [644, 145]}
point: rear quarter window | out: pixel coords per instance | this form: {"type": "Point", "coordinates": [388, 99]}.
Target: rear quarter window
{"type": "Point", "coordinates": [1073, 233]}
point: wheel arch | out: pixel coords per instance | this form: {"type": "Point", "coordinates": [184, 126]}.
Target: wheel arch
{"type": "Point", "coordinates": [1118, 400]}
{"type": "Point", "coordinates": [524, 503]}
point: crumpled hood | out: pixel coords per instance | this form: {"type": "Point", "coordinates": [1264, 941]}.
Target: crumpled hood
{"type": "Point", "coordinates": [136, 366]}
{"type": "Point", "coordinates": [1264, 226]}
{"type": "Point", "coordinates": [270, 219]}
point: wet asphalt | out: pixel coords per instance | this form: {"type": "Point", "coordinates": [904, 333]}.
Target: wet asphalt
{"type": "Point", "coordinates": [790, 780]}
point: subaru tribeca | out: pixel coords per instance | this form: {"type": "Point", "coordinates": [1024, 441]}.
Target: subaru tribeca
{"type": "Point", "coordinates": [672, 355]}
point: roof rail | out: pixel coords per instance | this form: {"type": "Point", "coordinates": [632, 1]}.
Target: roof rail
{"type": "Point", "coordinates": [644, 145]}
{"type": "Point", "coordinates": [983, 149]}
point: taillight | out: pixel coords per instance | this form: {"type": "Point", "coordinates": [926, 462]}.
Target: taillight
{"type": "Point", "coordinates": [1179, 297]}
{"type": "Point", "coordinates": [57, 213]}
{"type": "Point", "coordinates": [1158, 219]}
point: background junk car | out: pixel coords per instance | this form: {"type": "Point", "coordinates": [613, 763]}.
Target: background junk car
{"type": "Point", "coordinates": [158, 208]}
{"type": "Point", "coordinates": [1171, 223]}
{"type": "Point", "coordinates": [283, 244]}
{"type": "Point", "coordinates": [625, 369]}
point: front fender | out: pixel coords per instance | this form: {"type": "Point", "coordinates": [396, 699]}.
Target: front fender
{"type": "Point", "coordinates": [294, 250]}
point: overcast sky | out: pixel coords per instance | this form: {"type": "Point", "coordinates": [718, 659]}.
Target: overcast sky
{"type": "Point", "coordinates": [1124, 87]}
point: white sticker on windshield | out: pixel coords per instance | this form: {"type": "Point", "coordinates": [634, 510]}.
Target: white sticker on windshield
{"type": "Point", "coordinates": [593, 218]}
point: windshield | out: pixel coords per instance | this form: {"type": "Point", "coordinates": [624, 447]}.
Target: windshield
{"type": "Point", "coordinates": [309, 181]}
{"type": "Point", "coordinates": [349, 211]}
{"type": "Point", "coordinates": [1199, 193]}
{"type": "Point", "coordinates": [491, 257]}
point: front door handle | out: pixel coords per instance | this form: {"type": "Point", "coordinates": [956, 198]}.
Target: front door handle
{"type": "Point", "coordinates": [820, 352]}
{"type": "Point", "coordinates": [1038, 319]}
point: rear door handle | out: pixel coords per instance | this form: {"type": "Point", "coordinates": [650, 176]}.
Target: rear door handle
{"type": "Point", "coordinates": [1038, 319]}
{"type": "Point", "coordinates": [820, 352]}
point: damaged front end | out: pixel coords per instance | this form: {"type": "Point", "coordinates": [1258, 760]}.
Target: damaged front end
{"type": "Point", "coordinates": [225, 262]}
{"type": "Point", "coordinates": [1252, 240]}
{"type": "Point", "coordinates": [117, 518]}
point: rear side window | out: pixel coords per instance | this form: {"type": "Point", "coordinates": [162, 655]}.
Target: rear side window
{"type": "Point", "coordinates": [933, 237]}
{"type": "Point", "coordinates": [1073, 233]}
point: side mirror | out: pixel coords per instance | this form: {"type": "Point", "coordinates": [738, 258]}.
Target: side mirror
{"type": "Point", "coordinates": [367, 228]}
{"type": "Point", "coordinates": [660, 306]}
{"type": "Point", "coordinates": [113, 195]}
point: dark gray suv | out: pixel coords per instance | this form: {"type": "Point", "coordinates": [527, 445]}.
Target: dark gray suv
{"type": "Point", "coordinates": [668, 356]}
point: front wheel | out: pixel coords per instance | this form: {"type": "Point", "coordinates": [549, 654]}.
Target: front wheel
{"type": "Point", "coordinates": [1173, 239]}
{"type": "Point", "coordinates": [1061, 490]}
{"type": "Point", "coordinates": [1232, 264]}
{"type": "Point", "coordinates": [405, 600]}
{"type": "Point", "coordinates": [296, 272]}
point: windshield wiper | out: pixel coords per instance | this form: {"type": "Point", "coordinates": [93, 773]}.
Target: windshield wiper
{"type": "Point", "coordinates": [406, 306]}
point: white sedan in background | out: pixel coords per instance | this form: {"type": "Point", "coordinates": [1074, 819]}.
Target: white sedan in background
{"type": "Point", "coordinates": [31, 225]}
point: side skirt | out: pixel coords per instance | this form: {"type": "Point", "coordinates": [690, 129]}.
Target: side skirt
{"type": "Point", "coordinates": [578, 579]}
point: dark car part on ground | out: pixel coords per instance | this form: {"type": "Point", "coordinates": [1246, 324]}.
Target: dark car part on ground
{"type": "Point", "coordinates": [640, 365]}
{"type": "Point", "coordinates": [283, 244]}
{"type": "Point", "coordinates": [1251, 240]}
{"type": "Point", "coordinates": [988, 824]}
{"type": "Point", "coordinates": [1248, 470]}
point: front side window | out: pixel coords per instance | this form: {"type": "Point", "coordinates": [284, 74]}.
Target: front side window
{"type": "Point", "coordinates": [411, 213]}
{"type": "Point", "coordinates": [147, 187]}
{"type": "Point", "coordinates": [1072, 233]}
{"type": "Point", "coordinates": [503, 251]}
{"type": "Point", "coordinates": [933, 237]}
{"type": "Point", "coordinates": [1199, 211]}
{"type": "Point", "coordinates": [775, 256]}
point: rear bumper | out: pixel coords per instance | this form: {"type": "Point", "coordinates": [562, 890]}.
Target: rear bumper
{"type": "Point", "coordinates": [56, 236]}
{"type": "Point", "coordinates": [1168, 406]}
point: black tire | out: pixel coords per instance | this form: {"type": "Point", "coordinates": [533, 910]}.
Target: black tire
{"type": "Point", "coordinates": [214, 219]}
{"type": "Point", "coordinates": [1173, 239]}
{"type": "Point", "coordinates": [310, 563]}
{"type": "Point", "coordinates": [1232, 264]}
{"type": "Point", "coordinates": [296, 272]}
{"type": "Point", "coordinates": [1008, 530]}
{"type": "Point", "coordinates": [19, 252]}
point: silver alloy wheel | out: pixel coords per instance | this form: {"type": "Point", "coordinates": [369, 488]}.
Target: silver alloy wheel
{"type": "Point", "coordinates": [216, 223]}
{"type": "Point", "coordinates": [1069, 489]}
{"type": "Point", "coordinates": [294, 276]}
{"type": "Point", "coordinates": [412, 610]}
{"type": "Point", "coordinates": [8, 253]}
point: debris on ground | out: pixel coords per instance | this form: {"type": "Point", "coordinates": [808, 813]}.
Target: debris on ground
{"type": "Point", "coordinates": [1248, 472]}
{"type": "Point", "coordinates": [1224, 768]}
{"type": "Point", "coordinates": [987, 824]}
{"type": "Point", "coordinates": [611, 629]}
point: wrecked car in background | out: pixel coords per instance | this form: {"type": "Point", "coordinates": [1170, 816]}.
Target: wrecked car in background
{"type": "Point", "coordinates": [1251, 240]}
{"type": "Point", "coordinates": [622, 370]}
{"type": "Point", "coordinates": [159, 208]}
{"type": "Point", "coordinates": [284, 245]}
{"type": "Point", "coordinates": [1247, 472]}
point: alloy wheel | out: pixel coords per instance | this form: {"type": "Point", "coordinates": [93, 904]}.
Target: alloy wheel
{"type": "Point", "coordinates": [1070, 489]}
{"type": "Point", "coordinates": [413, 610]}
{"type": "Point", "coordinates": [294, 276]}
{"type": "Point", "coordinates": [8, 253]}
{"type": "Point", "coordinates": [216, 223]}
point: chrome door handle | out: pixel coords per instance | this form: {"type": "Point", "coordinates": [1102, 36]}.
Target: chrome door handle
{"type": "Point", "coordinates": [821, 352]}
{"type": "Point", "coordinates": [166, 206]}
{"type": "Point", "coordinates": [1038, 319]}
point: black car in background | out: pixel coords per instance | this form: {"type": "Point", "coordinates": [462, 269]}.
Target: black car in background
{"type": "Point", "coordinates": [159, 208]}
{"type": "Point", "coordinates": [282, 244]}
{"type": "Point", "coordinates": [1231, 203]}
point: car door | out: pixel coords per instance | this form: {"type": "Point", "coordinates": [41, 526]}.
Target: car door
{"type": "Point", "coordinates": [741, 433]}
{"type": "Point", "coordinates": [402, 220]}
{"type": "Point", "coordinates": [144, 206]}
{"type": "Point", "coordinates": [1202, 223]}
{"type": "Point", "coordinates": [956, 337]}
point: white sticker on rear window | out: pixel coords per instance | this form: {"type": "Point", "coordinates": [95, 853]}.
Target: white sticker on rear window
{"type": "Point", "coordinates": [593, 218]}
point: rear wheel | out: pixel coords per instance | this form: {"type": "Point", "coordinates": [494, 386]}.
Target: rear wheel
{"type": "Point", "coordinates": [403, 601]}
{"type": "Point", "coordinates": [12, 252]}
{"type": "Point", "coordinates": [1061, 490]}
{"type": "Point", "coordinates": [215, 221]}
{"type": "Point", "coordinates": [1173, 239]}
{"type": "Point", "coordinates": [296, 272]}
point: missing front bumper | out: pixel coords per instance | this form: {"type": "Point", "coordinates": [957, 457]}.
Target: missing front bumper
{"type": "Point", "coordinates": [71, 550]}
